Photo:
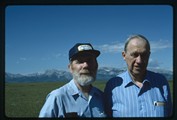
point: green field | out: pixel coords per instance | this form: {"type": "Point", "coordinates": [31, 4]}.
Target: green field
{"type": "Point", "coordinates": [26, 99]}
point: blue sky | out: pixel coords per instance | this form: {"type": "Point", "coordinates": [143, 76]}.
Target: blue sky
{"type": "Point", "coordinates": [38, 38]}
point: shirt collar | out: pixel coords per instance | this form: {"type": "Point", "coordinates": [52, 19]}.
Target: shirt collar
{"type": "Point", "coordinates": [73, 89]}
{"type": "Point", "coordinates": [128, 80]}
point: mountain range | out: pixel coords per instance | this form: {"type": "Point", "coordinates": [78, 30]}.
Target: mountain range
{"type": "Point", "coordinates": [53, 75]}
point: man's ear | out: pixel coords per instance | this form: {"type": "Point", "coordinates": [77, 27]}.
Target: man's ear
{"type": "Point", "coordinates": [123, 54]}
{"type": "Point", "coordinates": [69, 67]}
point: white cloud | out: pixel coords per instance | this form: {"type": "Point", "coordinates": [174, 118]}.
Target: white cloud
{"type": "Point", "coordinates": [160, 44]}
{"type": "Point", "coordinates": [111, 48]}
{"type": "Point", "coordinates": [154, 63]}
{"type": "Point", "coordinates": [117, 46]}
{"type": "Point", "coordinates": [58, 55]}
{"type": "Point", "coordinates": [23, 59]}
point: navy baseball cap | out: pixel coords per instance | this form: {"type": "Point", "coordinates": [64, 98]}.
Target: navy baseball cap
{"type": "Point", "coordinates": [82, 48]}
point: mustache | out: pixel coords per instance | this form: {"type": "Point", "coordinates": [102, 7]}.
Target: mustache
{"type": "Point", "coordinates": [85, 71]}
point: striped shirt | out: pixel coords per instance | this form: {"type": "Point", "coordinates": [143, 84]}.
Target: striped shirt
{"type": "Point", "coordinates": [68, 101]}
{"type": "Point", "coordinates": [125, 99]}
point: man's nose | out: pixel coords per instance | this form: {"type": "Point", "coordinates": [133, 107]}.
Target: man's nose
{"type": "Point", "coordinates": [85, 64]}
{"type": "Point", "coordinates": [139, 59]}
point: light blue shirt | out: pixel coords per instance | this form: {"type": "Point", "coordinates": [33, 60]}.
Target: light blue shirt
{"type": "Point", "coordinates": [125, 99]}
{"type": "Point", "coordinates": [69, 99]}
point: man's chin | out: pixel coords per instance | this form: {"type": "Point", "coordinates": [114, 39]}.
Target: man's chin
{"type": "Point", "coordinates": [86, 82]}
{"type": "Point", "coordinates": [138, 72]}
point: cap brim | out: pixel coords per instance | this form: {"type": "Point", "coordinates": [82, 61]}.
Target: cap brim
{"type": "Point", "coordinates": [94, 53]}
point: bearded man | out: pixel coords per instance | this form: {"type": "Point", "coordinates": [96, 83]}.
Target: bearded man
{"type": "Point", "coordinates": [78, 98]}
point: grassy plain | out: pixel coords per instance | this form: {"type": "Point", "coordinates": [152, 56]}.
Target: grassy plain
{"type": "Point", "coordinates": [26, 99]}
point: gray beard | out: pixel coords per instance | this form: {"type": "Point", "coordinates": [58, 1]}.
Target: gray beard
{"type": "Point", "coordinates": [83, 80]}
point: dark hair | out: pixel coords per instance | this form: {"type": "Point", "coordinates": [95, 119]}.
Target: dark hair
{"type": "Point", "coordinates": [136, 36]}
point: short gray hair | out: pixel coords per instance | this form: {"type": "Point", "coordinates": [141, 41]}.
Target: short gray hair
{"type": "Point", "coordinates": [136, 36]}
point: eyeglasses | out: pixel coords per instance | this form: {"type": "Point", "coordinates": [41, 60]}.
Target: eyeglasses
{"type": "Point", "coordinates": [136, 54]}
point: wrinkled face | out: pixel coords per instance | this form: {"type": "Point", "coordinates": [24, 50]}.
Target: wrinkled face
{"type": "Point", "coordinates": [137, 56]}
{"type": "Point", "coordinates": [84, 69]}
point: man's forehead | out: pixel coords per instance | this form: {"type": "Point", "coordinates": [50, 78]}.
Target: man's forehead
{"type": "Point", "coordinates": [138, 42]}
{"type": "Point", "coordinates": [137, 45]}
{"type": "Point", "coordinates": [137, 50]}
